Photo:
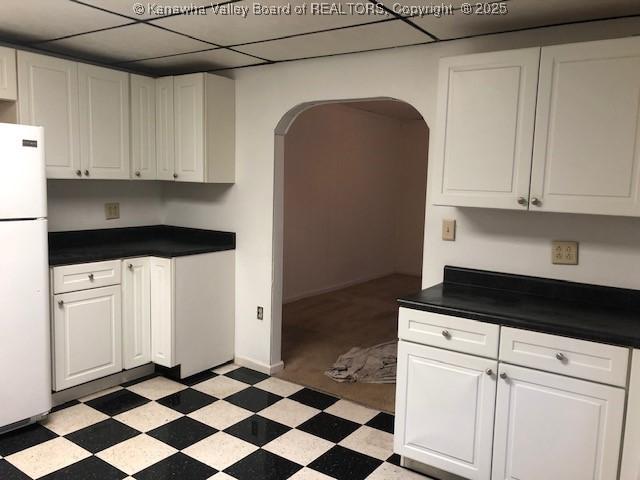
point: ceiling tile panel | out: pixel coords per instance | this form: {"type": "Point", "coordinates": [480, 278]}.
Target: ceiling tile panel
{"type": "Point", "coordinates": [34, 20]}
{"type": "Point", "coordinates": [366, 37]}
{"type": "Point", "coordinates": [133, 42]}
{"type": "Point", "coordinates": [232, 28]}
{"type": "Point", "coordinates": [525, 14]}
{"type": "Point", "coordinates": [194, 62]}
{"type": "Point", "coordinates": [144, 9]}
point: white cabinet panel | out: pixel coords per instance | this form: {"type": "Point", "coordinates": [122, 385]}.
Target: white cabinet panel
{"type": "Point", "coordinates": [189, 105]}
{"type": "Point", "coordinates": [8, 75]}
{"type": "Point", "coordinates": [49, 98]}
{"type": "Point", "coordinates": [630, 469]}
{"type": "Point", "coordinates": [87, 335]}
{"type": "Point", "coordinates": [165, 154]}
{"type": "Point", "coordinates": [445, 405]}
{"type": "Point", "coordinates": [587, 146]}
{"type": "Point", "coordinates": [550, 426]}
{"type": "Point", "coordinates": [81, 276]}
{"type": "Point", "coordinates": [104, 122]}
{"type": "Point", "coordinates": [136, 312]}
{"type": "Point", "coordinates": [143, 127]}
{"type": "Point", "coordinates": [484, 133]}
{"type": "Point", "coordinates": [162, 314]}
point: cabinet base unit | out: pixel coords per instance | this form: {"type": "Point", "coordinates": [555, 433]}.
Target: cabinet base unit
{"type": "Point", "coordinates": [445, 404]}
{"type": "Point", "coordinates": [554, 427]}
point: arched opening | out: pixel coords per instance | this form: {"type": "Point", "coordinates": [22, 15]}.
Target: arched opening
{"type": "Point", "coordinates": [349, 202]}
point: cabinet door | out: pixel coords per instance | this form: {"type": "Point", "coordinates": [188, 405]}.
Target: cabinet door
{"type": "Point", "coordinates": [136, 312]}
{"type": "Point", "coordinates": [445, 405]}
{"type": "Point", "coordinates": [484, 132]}
{"type": "Point", "coordinates": [143, 127]}
{"type": "Point", "coordinates": [162, 317]}
{"type": "Point", "coordinates": [189, 104]}
{"type": "Point", "coordinates": [8, 76]}
{"type": "Point", "coordinates": [586, 155]}
{"type": "Point", "coordinates": [87, 335]}
{"type": "Point", "coordinates": [49, 98]}
{"type": "Point", "coordinates": [104, 122]}
{"type": "Point", "coordinates": [165, 154]}
{"type": "Point", "coordinates": [630, 466]}
{"type": "Point", "coordinates": [551, 426]}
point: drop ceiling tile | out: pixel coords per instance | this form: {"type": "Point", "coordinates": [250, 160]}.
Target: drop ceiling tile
{"type": "Point", "coordinates": [133, 42]}
{"type": "Point", "coordinates": [526, 14]}
{"type": "Point", "coordinates": [33, 20]}
{"type": "Point", "coordinates": [233, 29]}
{"type": "Point", "coordinates": [194, 62]}
{"type": "Point", "coordinates": [366, 37]}
{"type": "Point", "coordinates": [145, 9]}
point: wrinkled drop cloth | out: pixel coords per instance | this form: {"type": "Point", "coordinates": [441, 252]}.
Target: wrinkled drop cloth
{"type": "Point", "coordinates": [375, 364]}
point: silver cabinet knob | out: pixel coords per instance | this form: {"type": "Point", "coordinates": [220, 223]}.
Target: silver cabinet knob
{"type": "Point", "coordinates": [560, 356]}
{"type": "Point", "coordinates": [86, 173]}
{"type": "Point", "coordinates": [175, 175]}
{"type": "Point", "coordinates": [60, 303]}
{"type": "Point", "coordinates": [446, 334]}
{"type": "Point", "coordinates": [130, 266]}
{"type": "Point", "coordinates": [536, 201]}
{"type": "Point", "coordinates": [488, 371]}
{"type": "Point", "coordinates": [137, 173]}
{"type": "Point", "coordinates": [522, 201]}
{"type": "Point", "coordinates": [503, 375]}
{"type": "Point", "coordinates": [79, 173]}
{"type": "Point", "coordinates": [91, 276]}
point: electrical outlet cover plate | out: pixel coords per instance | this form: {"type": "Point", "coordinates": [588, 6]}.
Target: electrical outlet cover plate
{"type": "Point", "coordinates": [448, 229]}
{"type": "Point", "coordinates": [112, 210]}
{"type": "Point", "coordinates": [564, 252]}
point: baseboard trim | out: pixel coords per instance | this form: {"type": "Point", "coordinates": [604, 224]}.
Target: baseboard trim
{"type": "Point", "coordinates": [259, 366]}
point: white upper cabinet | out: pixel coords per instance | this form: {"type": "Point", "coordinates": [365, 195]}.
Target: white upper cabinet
{"type": "Point", "coordinates": [49, 98]}
{"type": "Point", "coordinates": [189, 111]}
{"type": "Point", "coordinates": [143, 128]}
{"type": "Point", "coordinates": [486, 112]}
{"type": "Point", "coordinates": [8, 80]}
{"type": "Point", "coordinates": [551, 427]}
{"type": "Point", "coordinates": [104, 122]}
{"type": "Point", "coordinates": [165, 155]}
{"type": "Point", "coordinates": [586, 155]}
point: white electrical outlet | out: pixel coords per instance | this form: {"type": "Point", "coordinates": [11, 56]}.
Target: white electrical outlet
{"type": "Point", "coordinates": [111, 210]}
{"type": "Point", "coordinates": [564, 252]}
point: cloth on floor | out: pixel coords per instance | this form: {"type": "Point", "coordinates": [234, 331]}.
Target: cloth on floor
{"type": "Point", "coordinates": [375, 364]}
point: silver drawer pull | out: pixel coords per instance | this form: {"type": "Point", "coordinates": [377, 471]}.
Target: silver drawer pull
{"type": "Point", "coordinates": [130, 266]}
{"type": "Point", "coordinates": [503, 375]}
{"type": "Point", "coordinates": [488, 371]}
{"type": "Point", "coordinates": [560, 356]}
{"type": "Point", "coordinates": [91, 276]}
{"type": "Point", "coordinates": [446, 334]}
{"type": "Point", "coordinates": [60, 303]}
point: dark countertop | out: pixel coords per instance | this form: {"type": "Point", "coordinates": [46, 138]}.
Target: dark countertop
{"type": "Point", "coordinates": [589, 312]}
{"type": "Point", "coordinates": [81, 246]}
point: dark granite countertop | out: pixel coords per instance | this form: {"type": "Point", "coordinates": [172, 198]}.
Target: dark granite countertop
{"type": "Point", "coordinates": [166, 241]}
{"type": "Point", "coordinates": [589, 312]}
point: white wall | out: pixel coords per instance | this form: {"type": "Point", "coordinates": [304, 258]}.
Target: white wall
{"type": "Point", "coordinates": [352, 180]}
{"type": "Point", "coordinates": [508, 241]}
{"type": "Point", "coordinates": [79, 204]}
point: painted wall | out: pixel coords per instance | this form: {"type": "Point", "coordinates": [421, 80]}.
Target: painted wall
{"type": "Point", "coordinates": [351, 182]}
{"type": "Point", "coordinates": [79, 204]}
{"type": "Point", "coordinates": [508, 241]}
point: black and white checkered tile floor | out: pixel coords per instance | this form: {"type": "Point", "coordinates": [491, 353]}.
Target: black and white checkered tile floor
{"type": "Point", "coordinates": [229, 423]}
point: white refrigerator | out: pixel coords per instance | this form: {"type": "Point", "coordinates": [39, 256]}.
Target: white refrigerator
{"type": "Point", "coordinates": [25, 360]}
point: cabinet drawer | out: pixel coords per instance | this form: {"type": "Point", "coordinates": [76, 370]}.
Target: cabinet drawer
{"type": "Point", "coordinates": [86, 275]}
{"type": "Point", "coordinates": [453, 333]}
{"type": "Point", "coordinates": [567, 356]}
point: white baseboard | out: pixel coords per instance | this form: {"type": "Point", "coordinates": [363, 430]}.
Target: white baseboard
{"type": "Point", "coordinates": [259, 366]}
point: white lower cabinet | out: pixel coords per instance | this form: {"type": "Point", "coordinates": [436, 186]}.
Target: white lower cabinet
{"type": "Point", "coordinates": [445, 405]}
{"type": "Point", "coordinates": [87, 335]}
{"type": "Point", "coordinates": [551, 426]}
{"type": "Point", "coordinates": [162, 315]}
{"type": "Point", "coordinates": [136, 312]}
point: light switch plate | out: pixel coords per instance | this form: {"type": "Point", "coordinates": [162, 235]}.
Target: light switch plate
{"type": "Point", "coordinates": [111, 210]}
{"type": "Point", "coordinates": [564, 252]}
{"type": "Point", "coordinates": [448, 229]}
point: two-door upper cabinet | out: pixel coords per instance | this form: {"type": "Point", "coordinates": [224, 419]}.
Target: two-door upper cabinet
{"type": "Point", "coordinates": [196, 116]}
{"type": "Point", "coordinates": [552, 129]}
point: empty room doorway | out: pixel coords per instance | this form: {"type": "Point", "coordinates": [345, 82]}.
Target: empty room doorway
{"type": "Point", "coordinates": [354, 199]}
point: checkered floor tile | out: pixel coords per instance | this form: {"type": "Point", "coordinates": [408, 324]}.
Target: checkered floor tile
{"type": "Point", "coordinates": [226, 423]}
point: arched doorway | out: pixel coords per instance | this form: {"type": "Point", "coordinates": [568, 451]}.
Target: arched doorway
{"type": "Point", "coordinates": [349, 201]}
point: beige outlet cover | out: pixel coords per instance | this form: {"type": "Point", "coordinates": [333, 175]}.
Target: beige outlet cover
{"type": "Point", "coordinates": [448, 229]}
{"type": "Point", "coordinates": [564, 252]}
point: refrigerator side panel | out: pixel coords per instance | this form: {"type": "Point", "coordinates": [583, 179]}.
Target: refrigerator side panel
{"type": "Point", "coordinates": [25, 361]}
